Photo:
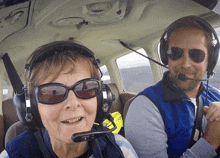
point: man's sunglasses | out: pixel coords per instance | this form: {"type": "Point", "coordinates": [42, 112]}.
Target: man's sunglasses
{"type": "Point", "coordinates": [53, 93]}
{"type": "Point", "coordinates": [175, 53]}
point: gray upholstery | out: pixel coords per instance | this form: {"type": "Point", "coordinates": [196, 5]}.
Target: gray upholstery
{"type": "Point", "coordinates": [126, 107]}
{"type": "Point", "coordinates": [1, 134]}
{"type": "Point", "coordinates": [9, 114]}
{"type": "Point", "coordinates": [126, 96]}
{"type": "Point", "coordinates": [9, 117]}
{"type": "Point", "coordinates": [120, 99]}
{"type": "Point", "coordinates": [117, 103]}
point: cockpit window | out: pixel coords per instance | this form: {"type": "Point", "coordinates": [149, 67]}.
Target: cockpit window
{"type": "Point", "coordinates": [135, 71]}
{"type": "Point", "coordinates": [7, 3]}
{"type": "Point", "coordinates": [105, 78]}
{"type": "Point", "coordinates": [5, 91]}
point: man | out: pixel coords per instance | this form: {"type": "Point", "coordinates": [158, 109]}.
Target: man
{"type": "Point", "coordinates": [160, 121]}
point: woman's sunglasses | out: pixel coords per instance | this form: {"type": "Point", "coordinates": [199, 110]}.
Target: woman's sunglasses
{"type": "Point", "coordinates": [175, 53]}
{"type": "Point", "coordinates": [53, 93]}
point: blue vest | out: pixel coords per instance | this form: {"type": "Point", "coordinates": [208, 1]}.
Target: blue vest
{"type": "Point", "coordinates": [177, 112]}
{"type": "Point", "coordinates": [26, 146]}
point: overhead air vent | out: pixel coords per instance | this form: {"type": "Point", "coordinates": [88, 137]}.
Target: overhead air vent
{"type": "Point", "coordinates": [104, 12]}
{"type": "Point", "coordinates": [13, 19]}
{"type": "Point", "coordinates": [98, 8]}
{"type": "Point", "coordinates": [14, 16]}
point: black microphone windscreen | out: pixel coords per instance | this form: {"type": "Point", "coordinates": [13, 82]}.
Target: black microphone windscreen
{"type": "Point", "coordinates": [88, 136]}
{"type": "Point", "coordinates": [182, 77]}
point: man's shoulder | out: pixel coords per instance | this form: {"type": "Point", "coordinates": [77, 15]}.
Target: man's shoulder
{"type": "Point", "coordinates": [24, 145]}
{"type": "Point", "coordinates": [212, 87]}
{"type": "Point", "coordinates": [213, 91]}
{"type": "Point", "coordinates": [154, 91]}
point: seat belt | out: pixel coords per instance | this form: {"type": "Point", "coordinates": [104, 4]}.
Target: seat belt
{"type": "Point", "coordinates": [197, 130]}
{"type": "Point", "coordinates": [42, 145]}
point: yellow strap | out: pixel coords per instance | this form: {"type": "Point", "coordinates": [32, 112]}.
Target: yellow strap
{"type": "Point", "coordinates": [118, 121]}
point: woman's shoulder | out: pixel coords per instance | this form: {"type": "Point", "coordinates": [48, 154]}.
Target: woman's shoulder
{"type": "Point", "coordinates": [22, 141]}
{"type": "Point", "coordinates": [24, 145]}
{"type": "Point", "coordinates": [125, 146]}
{"type": "Point", "coordinates": [23, 136]}
{"type": "Point", "coordinates": [120, 139]}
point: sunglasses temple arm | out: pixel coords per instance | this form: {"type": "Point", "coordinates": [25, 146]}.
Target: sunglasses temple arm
{"type": "Point", "coordinates": [101, 74]}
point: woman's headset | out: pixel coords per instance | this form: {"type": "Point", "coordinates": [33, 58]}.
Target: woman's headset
{"type": "Point", "coordinates": [26, 107]}
{"type": "Point", "coordinates": [213, 51]}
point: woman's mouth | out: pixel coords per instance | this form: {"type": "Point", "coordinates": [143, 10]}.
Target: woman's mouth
{"type": "Point", "coordinates": [74, 120]}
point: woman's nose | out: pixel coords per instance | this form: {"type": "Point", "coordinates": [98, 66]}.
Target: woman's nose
{"type": "Point", "coordinates": [72, 101]}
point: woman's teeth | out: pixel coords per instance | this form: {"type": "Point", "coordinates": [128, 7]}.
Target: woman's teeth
{"type": "Point", "coordinates": [72, 120]}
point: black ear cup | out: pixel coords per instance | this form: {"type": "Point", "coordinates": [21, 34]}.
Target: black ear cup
{"type": "Point", "coordinates": [213, 51]}
{"type": "Point", "coordinates": [21, 110]}
{"type": "Point", "coordinates": [104, 101]}
{"type": "Point", "coordinates": [163, 51]}
{"type": "Point", "coordinates": [212, 59]}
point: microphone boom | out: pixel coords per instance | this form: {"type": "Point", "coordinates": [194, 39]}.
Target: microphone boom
{"type": "Point", "coordinates": [183, 77]}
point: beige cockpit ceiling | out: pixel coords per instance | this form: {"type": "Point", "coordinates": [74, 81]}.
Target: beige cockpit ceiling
{"type": "Point", "coordinates": [97, 24]}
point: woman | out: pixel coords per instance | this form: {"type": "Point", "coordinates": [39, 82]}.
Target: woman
{"type": "Point", "coordinates": [66, 96]}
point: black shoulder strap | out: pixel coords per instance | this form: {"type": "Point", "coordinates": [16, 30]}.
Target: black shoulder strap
{"type": "Point", "coordinates": [196, 133]}
{"type": "Point", "coordinates": [12, 74]}
{"type": "Point", "coordinates": [42, 145]}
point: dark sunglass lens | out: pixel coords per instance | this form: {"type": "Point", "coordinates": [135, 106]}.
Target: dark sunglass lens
{"type": "Point", "coordinates": [52, 94]}
{"type": "Point", "coordinates": [197, 55]}
{"type": "Point", "coordinates": [87, 89]}
{"type": "Point", "coordinates": [174, 53]}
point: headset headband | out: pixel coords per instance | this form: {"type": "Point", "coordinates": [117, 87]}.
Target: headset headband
{"type": "Point", "coordinates": [205, 25]}
{"type": "Point", "coordinates": [56, 47]}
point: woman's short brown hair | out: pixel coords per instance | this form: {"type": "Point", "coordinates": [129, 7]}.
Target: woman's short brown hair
{"type": "Point", "coordinates": [52, 66]}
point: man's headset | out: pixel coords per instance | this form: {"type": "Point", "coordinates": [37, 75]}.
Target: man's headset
{"type": "Point", "coordinates": [213, 51]}
{"type": "Point", "coordinates": [27, 109]}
